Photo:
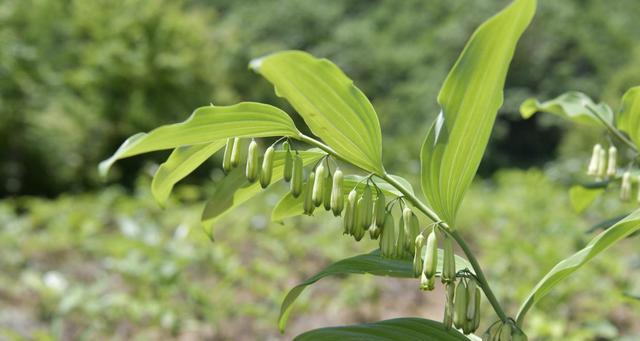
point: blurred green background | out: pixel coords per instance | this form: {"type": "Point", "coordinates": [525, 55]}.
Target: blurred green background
{"type": "Point", "coordinates": [85, 259]}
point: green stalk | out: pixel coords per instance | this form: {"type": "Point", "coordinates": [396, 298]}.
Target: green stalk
{"type": "Point", "coordinates": [482, 281]}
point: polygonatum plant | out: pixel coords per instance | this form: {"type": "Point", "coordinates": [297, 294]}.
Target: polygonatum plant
{"type": "Point", "coordinates": [340, 169]}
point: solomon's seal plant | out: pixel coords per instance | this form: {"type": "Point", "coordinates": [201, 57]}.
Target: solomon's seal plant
{"type": "Point", "coordinates": [341, 170]}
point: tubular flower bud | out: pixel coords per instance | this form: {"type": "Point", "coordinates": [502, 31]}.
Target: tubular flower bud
{"type": "Point", "coordinates": [318, 185]}
{"type": "Point", "coordinates": [412, 231]}
{"type": "Point", "coordinates": [349, 212]}
{"type": "Point", "coordinates": [388, 238]}
{"type": "Point", "coordinates": [399, 250]}
{"type": "Point", "coordinates": [379, 210]}
{"type": "Point", "coordinates": [625, 187]}
{"type": "Point", "coordinates": [593, 164]}
{"type": "Point", "coordinates": [612, 164]}
{"type": "Point", "coordinates": [337, 199]}
{"type": "Point", "coordinates": [226, 159]}
{"type": "Point", "coordinates": [505, 332]}
{"type": "Point", "coordinates": [326, 194]}
{"type": "Point", "coordinates": [448, 308]}
{"type": "Point", "coordinates": [417, 256]}
{"type": "Point", "coordinates": [296, 179]}
{"type": "Point", "coordinates": [287, 172]}
{"type": "Point", "coordinates": [360, 215]}
{"type": "Point", "coordinates": [602, 163]}
{"type": "Point", "coordinates": [431, 255]}
{"type": "Point", "coordinates": [476, 313]}
{"type": "Point", "coordinates": [448, 262]}
{"type": "Point", "coordinates": [235, 153]}
{"type": "Point", "coordinates": [309, 207]}
{"type": "Point", "coordinates": [471, 294]}
{"type": "Point", "coordinates": [460, 305]}
{"type": "Point", "coordinates": [252, 170]}
{"type": "Point", "coordinates": [367, 208]}
{"type": "Point", "coordinates": [267, 168]}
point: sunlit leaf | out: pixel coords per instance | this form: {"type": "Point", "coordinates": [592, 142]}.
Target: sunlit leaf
{"type": "Point", "coordinates": [372, 263]}
{"type": "Point", "coordinates": [582, 197]}
{"type": "Point", "coordinates": [629, 114]}
{"type": "Point", "coordinates": [571, 105]}
{"type": "Point", "coordinates": [405, 329]}
{"type": "Point", "coordinates": [569, 265]}
{"type": "Point", "coordinates": [470, 98]}
{"type": "Point", "coordinates": [289, 206]}
{"type": "Point", "coordinates": [334, 109]}
{"type": "Point", "coordinates": [235, 189]}
{"type": "Point", "coordinates": [208, 124]}
{"type": "Point", "coordinates": [182, 161]}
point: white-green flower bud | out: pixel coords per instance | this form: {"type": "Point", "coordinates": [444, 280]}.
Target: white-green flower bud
{"type": "Point", "coordinates": [379, 210]}
{"type": "Point", "coordinates": [267, 167]}
{"type": "Point", "coordinates": [460, 305]}
{"type": "Point", "coordinates": [226, 159]}
{"type": "Point", "coordinates": [287, 172]}
{"type": "Point", "coordinates": [367, 208]}
{"type": "Point", "coordinates": [318, 185]}
{"type": "Point", "coordinates": [471, 294]}
{"type": "Point", "coordinates": [337, 198]}
{"type": "Point", "coordinates": [400, 239]}
{"type": "Point", "coordinates": [253, 170]}
{"type": "Point", "coordinates": [326, 195]}
{"type": "Point", "coordinates": [297, 178]}
{"type": "Point", "coordinates": [388, 238]}
{"type": "Point", "coordinates": [417, 256]}
{"type": "Point", "coordinates": [448, 261]}
{"type": "Point", "coordinates": [431, 255]}
{"type": "Point", "coordinates": [308, 205]}
{"type": "Point", "coordinates": [349, 212]}
{"type": "Point", "coordinates": [360, 215]}
{"type": "Point", "coordinates": [593, 163]}
{"type": "Point", "coordinates": [625, 187]}
{"type": "Point", "coordinates": [612, 164]}
{"type": "Point", "coordinates": [602, 164]}
{"type": "Point", "coordinates": [235, 153]}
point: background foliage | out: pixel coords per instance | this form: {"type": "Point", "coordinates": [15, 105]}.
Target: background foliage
{"type": "Point", "coordinates": [77, 77]}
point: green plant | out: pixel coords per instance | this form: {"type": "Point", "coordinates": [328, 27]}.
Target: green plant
{"type": "Point", "coordinates": [348, 134]}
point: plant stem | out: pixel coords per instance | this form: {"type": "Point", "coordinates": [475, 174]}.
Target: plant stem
{"type": "Point", "coordinates": [482, 281]}
{"type": "Point", "coordinates": [615, 132]}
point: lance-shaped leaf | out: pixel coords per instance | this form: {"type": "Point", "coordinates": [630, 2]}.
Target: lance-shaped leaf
{"type": "Point", "coordinates": [209, 124]}
{"type": "Point", "coordinates": [334, 109]}
{"type": "Point", "coordinates": [405, 329]}
{"type": "Point", "coordinates": [182, 161]}
{"type": "Point", "coordinates": [289, 206]}
{"type": "Point", "coordinates": [470, 99]}
{"type": "Point", "coordinates": [371, 263]}
{"type": "Point", "coordinates": [568, 266]}
{"type": "Point", "coordinates": [571, 105]}
{"type": "Point", "coordinates": [235, 189]}
{"type": "Point", "coordinates": [629, 114]}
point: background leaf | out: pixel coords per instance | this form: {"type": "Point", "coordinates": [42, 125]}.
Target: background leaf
{"type": "Point", "coordinates": [571, 105]}
{"type": "Point", "coordinates": [406, 329]}
{"type": "Point", "coordinates": [566, 267]}
{"type": "Point", "coordinates": [208, 124]}
{"type": "Point", "coordinates": [334, 109]}
{"type": "Point", "coordinates": [470, 98]}
{"type": "Point", "coordinates": [582, 197]}
{"type": "Point", "coordinates": [372, 263]}
{"type": "Point", "coordinates": [182, 161]}
{"type": "Point", "coordinates": [629, 114]}
{"type": "Point", "coordinates": [234, 189]}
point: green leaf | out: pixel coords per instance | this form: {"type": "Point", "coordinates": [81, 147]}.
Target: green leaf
{"type": "Point", "coordinates": [334, 109]}
{"type": "Point", "coordinates": [182, 161]}
{"type": "Point", "coordinates": [372, 263]}
{"type": "Point", "coordinates": [571, 105]}
{"type": "Point", "coordinates": [629, 114]}
{"type": "Point", "coordinates": [400, 329]}
{"type": "Point", "coordinates": [568, 266]}
{"type": "Point", "coordinates": [470, 99]}
{"type": "Point", "coordinates": [234, 189]}
{"type": "Point", "coordinates": [208, 124]}
{"type": "Point", "coordinates": [289, 206]}
{"type": "Point", "coordinates": [583, 197]}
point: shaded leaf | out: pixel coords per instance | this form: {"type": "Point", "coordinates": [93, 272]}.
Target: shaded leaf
{"type": "Point", "coordinates": [400, 329]}
{"type": "Point", "coordinates": [372, 263]}
{"type": "Point", "coordinates": [208, 124]}
{"type": "Point", "coordinates": [470, 99]}
{"type": "Point", "coordinates": [182, 161]}
{"type": "Point", "coordinates": [629, 114]}
{"type": "Point", "coordinates": [569, 265]}
{"type": "Point", "coordinates": [235, 189]}
{"type": "Point", "coordinates": [571, 105]}
{"type": "Point", "coordinates": [334, 109]}
{"type": "Point", "coordinates": [583, 197]}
